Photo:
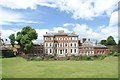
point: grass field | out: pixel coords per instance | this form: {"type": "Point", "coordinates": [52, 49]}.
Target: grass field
{"type": "Point", "coordinates": [20, 68]}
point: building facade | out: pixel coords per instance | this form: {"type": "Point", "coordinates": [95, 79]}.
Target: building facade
{"type": "Point", "coordinates": [88, 48]}
{"type": "Point", "coordinates": [61, 43]}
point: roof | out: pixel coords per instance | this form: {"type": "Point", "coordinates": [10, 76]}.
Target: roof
{"type": "Point", "coordinates": [90, 44]}
{"type": "Point", "coordinates": [99, 45]}
{"type": "Point", "coordinates": [48, 34]}
{"type": "Point", "coordinates": [60, 32]}
{"type": "Point", "coordinates": [87, 44]}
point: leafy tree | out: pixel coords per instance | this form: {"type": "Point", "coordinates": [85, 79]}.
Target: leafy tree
{"type": "Point", "coordinates": [119, 46]}
{"type": "Point", "coordinates": [103, 42]}
{"type": "Point", "coordinates": [119, 42]}
{"type": "Point", "coordinates": [12, 39]}
{"type": "Point", "coordinates": [18, 38]}
{"type": "Point", "coordinates": [110, 41]}
{"type": "Point", "coordinates": [25, 37]}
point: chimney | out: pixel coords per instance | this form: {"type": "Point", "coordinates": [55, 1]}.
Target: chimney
{"type": "Point", "coordinates": [46, 32]}
{"type": "Point", "coordinates": [79, 43]}
{"type": "Point", "coordinates": [89, 39]}
{"type": "Point", "coordinates": [96, 42]}
{"type": "Point", "coordinates": [83, 40]}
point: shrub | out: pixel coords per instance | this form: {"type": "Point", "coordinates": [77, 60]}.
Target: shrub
{"type": "Point", "coordinates": [83, 57]}
{"type": "Point", "coordinates": [50, 56]}
{"type": "Point", "coordinates": [111, 52]}
{"type": "Point", "coordinates": [8, 54]}
{"type": "Point", "coordinates": [38, 59]}
{"type": "Point", "coordinates": [96, 56]}
{"type": "Point", "coordinates": [102, 56]}
{"type": "Point", "coordinates": [115, 54]}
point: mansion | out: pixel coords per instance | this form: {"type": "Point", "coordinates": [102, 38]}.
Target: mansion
{"type": "Point", "coordinates": [62, 44]}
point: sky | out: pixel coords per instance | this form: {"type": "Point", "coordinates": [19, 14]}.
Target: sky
{"type": "Point", "coordinates": [94, 19]}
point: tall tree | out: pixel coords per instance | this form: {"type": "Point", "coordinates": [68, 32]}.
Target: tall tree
{"type": "Point", "coordinates": [110, 41]}
{"type": "Point", "coordinates": [103, 42]}
{"type": "Point", "coordinates": [25, 37]}
{"type": "Point", "coordinates": [119, 46]}
{"type": "Point", "coordinates": [12, 39]}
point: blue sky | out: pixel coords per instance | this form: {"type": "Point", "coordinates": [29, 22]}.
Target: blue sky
{"type": "Point", "coordinates": [88, 18]}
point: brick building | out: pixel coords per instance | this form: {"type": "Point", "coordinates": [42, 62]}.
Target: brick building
{"type": "Point", "coordinates": [88, 48]}
{"type": "Point", "coordinates": [61, 43]}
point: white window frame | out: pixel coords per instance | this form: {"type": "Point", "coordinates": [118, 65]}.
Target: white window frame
{"type": "Point", "coordinates": [92, 52]}
{"type": "Point", "coordinates": [73, 38]}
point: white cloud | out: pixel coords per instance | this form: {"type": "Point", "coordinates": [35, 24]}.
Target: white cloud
{"type": "Point", "coordinates": [85, 9]}
{"type": "Point", "coordinates": [105, 6]}
{"type": "Point", "coordinates": [56, 29]}
{"type": "Point", "coordinates": [82, 30]}
{"type": "Point", "coordinates": [41, 32]}
{"type": "Point", "coordinates": [68, 24]}
{"type": "Point", "coordinates": [114, 18]}
{"type": "Point", "coordinates": [24, 4]}
{"type": "Point", "coordinates": [6, 17]}
{"type": "Point", "coordinates": [5, 33]}
{"type": "Point", "coordinates": [101, 32]}
{"type": "Point", "coordinates": [23, 21]}
{"type": "Point", "coordinates": [19, 4]}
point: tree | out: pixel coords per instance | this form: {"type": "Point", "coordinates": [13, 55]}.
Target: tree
{"type": "Point", "coordinates": [110, 41]}
{"type": "Point", "coordinates": [25, 37]}
{"type": "Point", "coordinates": [119, 46]}
{"type": "Point", "coordinates": [12, 39]}
{"type": "Point", "coordinates": [18, 38]}
{"type": "Point", "coordinates": [119, 42]}
{"type": "Point", "coordinates": [103, 42]}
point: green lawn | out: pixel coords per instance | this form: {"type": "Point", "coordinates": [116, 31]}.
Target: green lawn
{"type": "Point", "coordinates": [20, 68]}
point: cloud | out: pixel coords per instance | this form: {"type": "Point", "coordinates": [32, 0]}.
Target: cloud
{"type": "Point", "coordinates": [56, 29]}
{"type": "Point", "coordinates": [84, 9]}
{"type": "Point", "coordinates": [23, 21]}
{"type": "Point", "coordinates": [5, 33]}
{"type": "Point", "coordinates": [41, 32]}
{"type": "Point", "coordinates": [67, 24]}
{"type": "Point", "coordinates": [87, 9]}
{"type": "Point", "coordinates": [114, 18]}
{"type": "Point", "coordinates": [19, 4]}
{"type": "Point", "coordinates": [82, 30]}
{"type": "Point", "coordinates": [24, 4]}
{"type": "Point", "coordinates": [101, 32]}
{"type": "Point", "coordinates": [8, 17]}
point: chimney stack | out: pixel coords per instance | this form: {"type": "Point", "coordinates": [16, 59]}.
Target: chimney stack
{"type": "Point", "coordinates": [83, 40]}
{"type": "Point", "coordinates": [96, 42]}
{"type": "Point", "coordinates": [89, 39]}
{"type": "Point", "coordinates": [46, 32]}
